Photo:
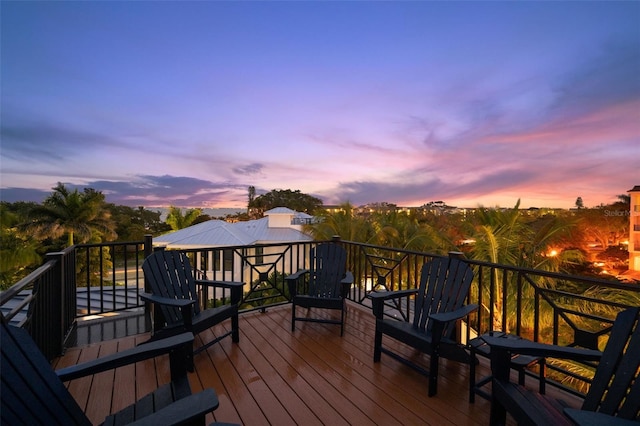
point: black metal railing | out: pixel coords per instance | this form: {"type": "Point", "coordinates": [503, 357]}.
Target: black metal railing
{"type": "Point", "coordinates": [44, 302]}
{"type": "Point", "coordinates": [109, 276]}
{"type": "Point", "coordinates": [550, 308]}
{"type": "Point", "coordinates": [100, 278]}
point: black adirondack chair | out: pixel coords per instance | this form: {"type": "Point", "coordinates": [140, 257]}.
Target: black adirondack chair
{"type": "Point", "coordinates": [173, 287]}
{"type": "Point", "coordinates": [32, 393]}
{"type": "Point", "coordinates": [439, 303]}
{"type": "Point", "coordinates": [613, 397]}
{"type": "Point", "coordinates": [328, 284]}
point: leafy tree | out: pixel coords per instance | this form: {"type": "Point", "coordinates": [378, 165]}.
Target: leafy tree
{"type": "Point", "coordinates": [93, 264]}
{"type": "Point", "coordinates": [72, 213]}
{"type": "Point", "coordinates": [624, 200]}
{"type": "Point", "coordinates": [133, 224]}
{"type": "Point", "coordinates": [201, 218]}
{"type": "Point", "coordinates": [294, 200]}
{"type": "Point", "coordinates": [579, 203]}
{"type": "Point", "coordinates": [150, 220]}
{"type": "Point", "coordinates": [177, 220]}
{"type": "Point", "coordinates": [18, 252]}
{"type": "Point", "coordinates": [607, 225]}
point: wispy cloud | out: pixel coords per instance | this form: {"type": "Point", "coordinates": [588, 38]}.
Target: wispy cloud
{"type": "Point", "coordinates": [249, 169]}
{"type": "Point", "coordinates": [608, 78]}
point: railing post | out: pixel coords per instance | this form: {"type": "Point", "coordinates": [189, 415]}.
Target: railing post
{"type": "Point", "coordinates": [148, 245]}
{"type": "Point", "coordinates": [55, 321]}
{"type": "Point", "coordinates": [70, 288]}
{"type": "Point", "coordinates": [148, 249]}
{"type": "Point", "coordinates": [456, 255]}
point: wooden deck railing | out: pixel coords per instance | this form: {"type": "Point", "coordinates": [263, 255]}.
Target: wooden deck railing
{"type": "Point", "coordinates": [543, 306]}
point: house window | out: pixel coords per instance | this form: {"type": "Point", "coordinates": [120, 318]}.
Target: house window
{"type": "Point", "coordinates": [259, 255]}
{"type": "Point", "coordinates": [227, 260]}
{"type": "Point", "coordinates": [216, 260]}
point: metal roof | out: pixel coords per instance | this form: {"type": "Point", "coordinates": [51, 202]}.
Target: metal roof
{"type": "Point", "coordinates": [262, 233]}
{"type": "Point", "coordinates": [216, 233]}
{"type": "Point", "coordinates": [280, 210]}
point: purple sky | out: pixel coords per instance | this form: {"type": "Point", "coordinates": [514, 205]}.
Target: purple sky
{"type": "Point", "coordinates": [189, 103]}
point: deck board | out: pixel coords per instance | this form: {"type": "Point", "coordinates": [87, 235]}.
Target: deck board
{"type": "Point", "coordinates": [277, 377]}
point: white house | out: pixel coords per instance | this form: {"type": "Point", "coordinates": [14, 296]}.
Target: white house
{"type": "Point", "coordinates": [280, 225]}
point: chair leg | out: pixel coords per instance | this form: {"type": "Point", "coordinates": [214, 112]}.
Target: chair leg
{"type": "Point", "coordinates": [542, 365]}
{"type": "Point", "coordinates": [342, 320]}
{"type": "Point", "coordinates": [235, 329]}
{"type": "Point", "coordinates": [472, 376]}
{"type": "Point", "coordinates": [377, 346]}
{"type": "Point", "coordinates": [181, 361]}
{"type": "Point", "coordinates": [498, 416]}
{"type": "Point", "coordinates": [190, 364]}
{"type": "Point", "coordinates": [293, 317]}
{"type": "Point", "coordinates": [433, 373]}
{"type": "Point", "coordinates": [500, 367]}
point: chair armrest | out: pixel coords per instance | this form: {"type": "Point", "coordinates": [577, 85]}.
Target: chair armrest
{"type": "Point", "coordinates": [527, 347]}
{"type": "Point", "coordinates": [454, 315]}
{"type": "Point", "coordinates": [348, 278]}
{"type": "Point", "coordinates": [346, 283]}
{"type": "Point", "coordinates": [235, 287]}
{"type": "Point", "coordinates": [176, 303]}
{"type": "Point", "coordinates": [292, 281]}
{"type": "Point", "coordinates": [223, 284]}
{"type": "Point", "coordinates": [183, 410]}
{"type": "Point", "coordinates": [129, 356]}
{"type": "Point", "coordinates": [386, 295]}
{"type": "Point", "coordinates": [378, 298]}
{"type": "Point", "coordinates": [297, 274]}
{"type": "Point", "coordinates": [591, 418]}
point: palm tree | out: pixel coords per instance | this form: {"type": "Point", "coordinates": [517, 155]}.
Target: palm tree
{"type": "Point", "coordinates": [252, 196]}
{"type": "Point", "coordinates": [72, 213]}
{"type": "Point", "coordinates": [177, 220]}
{"type": "Point", "coordinates": [343, 223]}
{"type": "Point", "coordinates": [399, 230]}
{"type": "Point", "coordinates": [504, 237]}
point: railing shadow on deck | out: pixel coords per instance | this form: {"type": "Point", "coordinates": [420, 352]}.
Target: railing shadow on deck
{"type": "Point", "coordinates": [539, 305]}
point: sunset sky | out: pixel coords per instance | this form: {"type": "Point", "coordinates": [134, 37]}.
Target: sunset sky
{"type": "Point", "coordinates": [189, 103]}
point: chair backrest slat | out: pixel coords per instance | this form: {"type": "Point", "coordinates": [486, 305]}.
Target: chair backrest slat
{"type": "Point", "coordinates": [169, 274]}
{"type": "Point", "coordinates": [615, 389]}
{"type": "Point", "coordinates": [630, 409]}
{"type": "Point", "coordinates": [444, 285]}
{"type": "Point", "coordinates": [31, 392]}
{"type": "Point", "coordinates": [327, 268]}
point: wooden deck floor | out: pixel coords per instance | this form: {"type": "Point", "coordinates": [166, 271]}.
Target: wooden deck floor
{"type": "Point", "coordinates": [275, 377]}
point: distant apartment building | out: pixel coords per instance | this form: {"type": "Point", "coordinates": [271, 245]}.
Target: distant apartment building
{"type": "Point", "coordinates": [634, 228]}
